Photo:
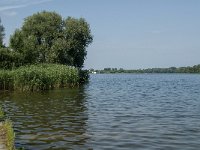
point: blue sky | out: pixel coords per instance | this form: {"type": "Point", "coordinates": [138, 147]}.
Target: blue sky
{"type": "Point", "coordinates": [129, 34]}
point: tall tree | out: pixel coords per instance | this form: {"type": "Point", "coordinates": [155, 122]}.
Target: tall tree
{"type": "Point", "coordinates": [37, 35]}
{"type": "Point", "coordinates": [78, 36]}
{"type": "Point", "coordinates": [2, 34]}
{"type": "Point", "coordinates": [46, 37]}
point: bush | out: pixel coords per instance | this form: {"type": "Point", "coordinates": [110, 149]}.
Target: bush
{"type": "Point", "coordinates": [9, 59]}
{"type": "Point", "coordinates": [83, 76]}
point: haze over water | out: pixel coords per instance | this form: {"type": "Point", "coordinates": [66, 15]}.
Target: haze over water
{"type": "Point", "coordinates": [116, 111]}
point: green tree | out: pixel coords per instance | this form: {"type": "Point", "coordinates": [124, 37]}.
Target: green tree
{"type": "Point", "coordinates": [46, 37]}
{"type": "Point", "coordinates": [78, 36]}
{"type": "Point", "coordinates": [37, 35]}
{"type": "Point", "coordinates": [2, 34]}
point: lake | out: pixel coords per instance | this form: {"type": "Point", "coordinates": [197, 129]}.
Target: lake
{"type": "Point", "coordinates": [111, 112]}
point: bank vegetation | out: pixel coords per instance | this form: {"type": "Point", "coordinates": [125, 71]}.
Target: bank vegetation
{"type": "Point", "coordinates": [47, 52]}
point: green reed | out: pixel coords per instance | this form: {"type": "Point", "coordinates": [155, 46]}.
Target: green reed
{"type": "Point", "coordinates": [7, 127]}
{"type": "Point", "coordinates": [39, 77]}
{"type": "Point", "coordinates": [1, 113]}
{"type": "Point", "coordinates": [6, 79]}
{"type": "Point", "coordinates": [6, 131]}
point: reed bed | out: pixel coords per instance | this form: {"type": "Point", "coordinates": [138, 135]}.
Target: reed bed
{"type": "Point", "coordinates": [39, 77]}
{"type": "Point", "coordinates": [6, 80]}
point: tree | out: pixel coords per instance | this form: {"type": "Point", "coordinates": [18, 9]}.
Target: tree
{"type": "Point", "coordinates": [78, 37]}
{"type": "Point", "coordinates": [2, 34]}
{"type": "Point", "coordinates": [37, 35]}
{"type": "Point", "coordinates": [46, 37]}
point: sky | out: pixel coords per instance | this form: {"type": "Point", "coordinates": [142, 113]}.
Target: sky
{"type": "Point", "coordinates": [129, 34]}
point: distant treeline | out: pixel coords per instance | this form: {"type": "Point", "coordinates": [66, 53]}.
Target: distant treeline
{"type": "Point", "coordinates": [194, 69]}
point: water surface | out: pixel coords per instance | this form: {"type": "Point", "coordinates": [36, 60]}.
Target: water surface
{"type": "Point", "coordinates": [116, 111]}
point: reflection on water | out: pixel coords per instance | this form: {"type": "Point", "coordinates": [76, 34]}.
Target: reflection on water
{"type": "Point", "coordinates": [120, 112]}
{"type": "Point", "coordinates": [51, 120]}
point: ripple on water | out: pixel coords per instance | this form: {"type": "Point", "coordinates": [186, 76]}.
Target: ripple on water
{"type": "Point", "coordinates": [126, 111]}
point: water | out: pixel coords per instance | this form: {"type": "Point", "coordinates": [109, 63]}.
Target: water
{"type": "Point", "coordinates": [120, 111]}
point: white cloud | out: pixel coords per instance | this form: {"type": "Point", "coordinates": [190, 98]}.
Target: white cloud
{"type": "Point", "coordinates": [6, 5]}
{"type": "Point", "coordinates": [6, 8]}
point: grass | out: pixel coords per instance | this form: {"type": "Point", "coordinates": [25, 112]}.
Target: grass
{"type": "Point", "coordinates": [7, 126]}
{"type": "Point", "coordinates": [7, 134]}
{"type": "Point", "coordinates": [39, 77]}
{"type": "Point", "coordinates": [1, 113]}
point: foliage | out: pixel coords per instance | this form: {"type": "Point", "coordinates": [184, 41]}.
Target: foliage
{"type": "Point", "coordinates": [39, 77]}
{"type": "Point", "coordinates": [2, 34]}
{"type": "Point", "coordinates": [83, 76]}
{"type": "Point", "coordinates": [6, 80]}
{"type": "Point", "coordinates": [78, 37]}
{"type": "Point", "coordinates": [47, 38]}
{"type": "Point", "coordinates": [6, 131]}
{"type": "Point", "coordinates": [1, 113]}
{"type": "Point", "coordinates": [10, 135]}
{"type": "Point", "coordinates": [9, 59]}
{"type": "Point", "coordinates": [46, 76]}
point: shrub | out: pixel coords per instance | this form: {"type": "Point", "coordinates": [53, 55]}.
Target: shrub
{"type": "Point", "coordinates": [9, 59]}
{"type": "Point", "coordinates": [83, 76]}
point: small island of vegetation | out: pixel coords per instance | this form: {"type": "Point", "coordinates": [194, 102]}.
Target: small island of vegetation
{"type": "Point", "coordinates": [45, 53]}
